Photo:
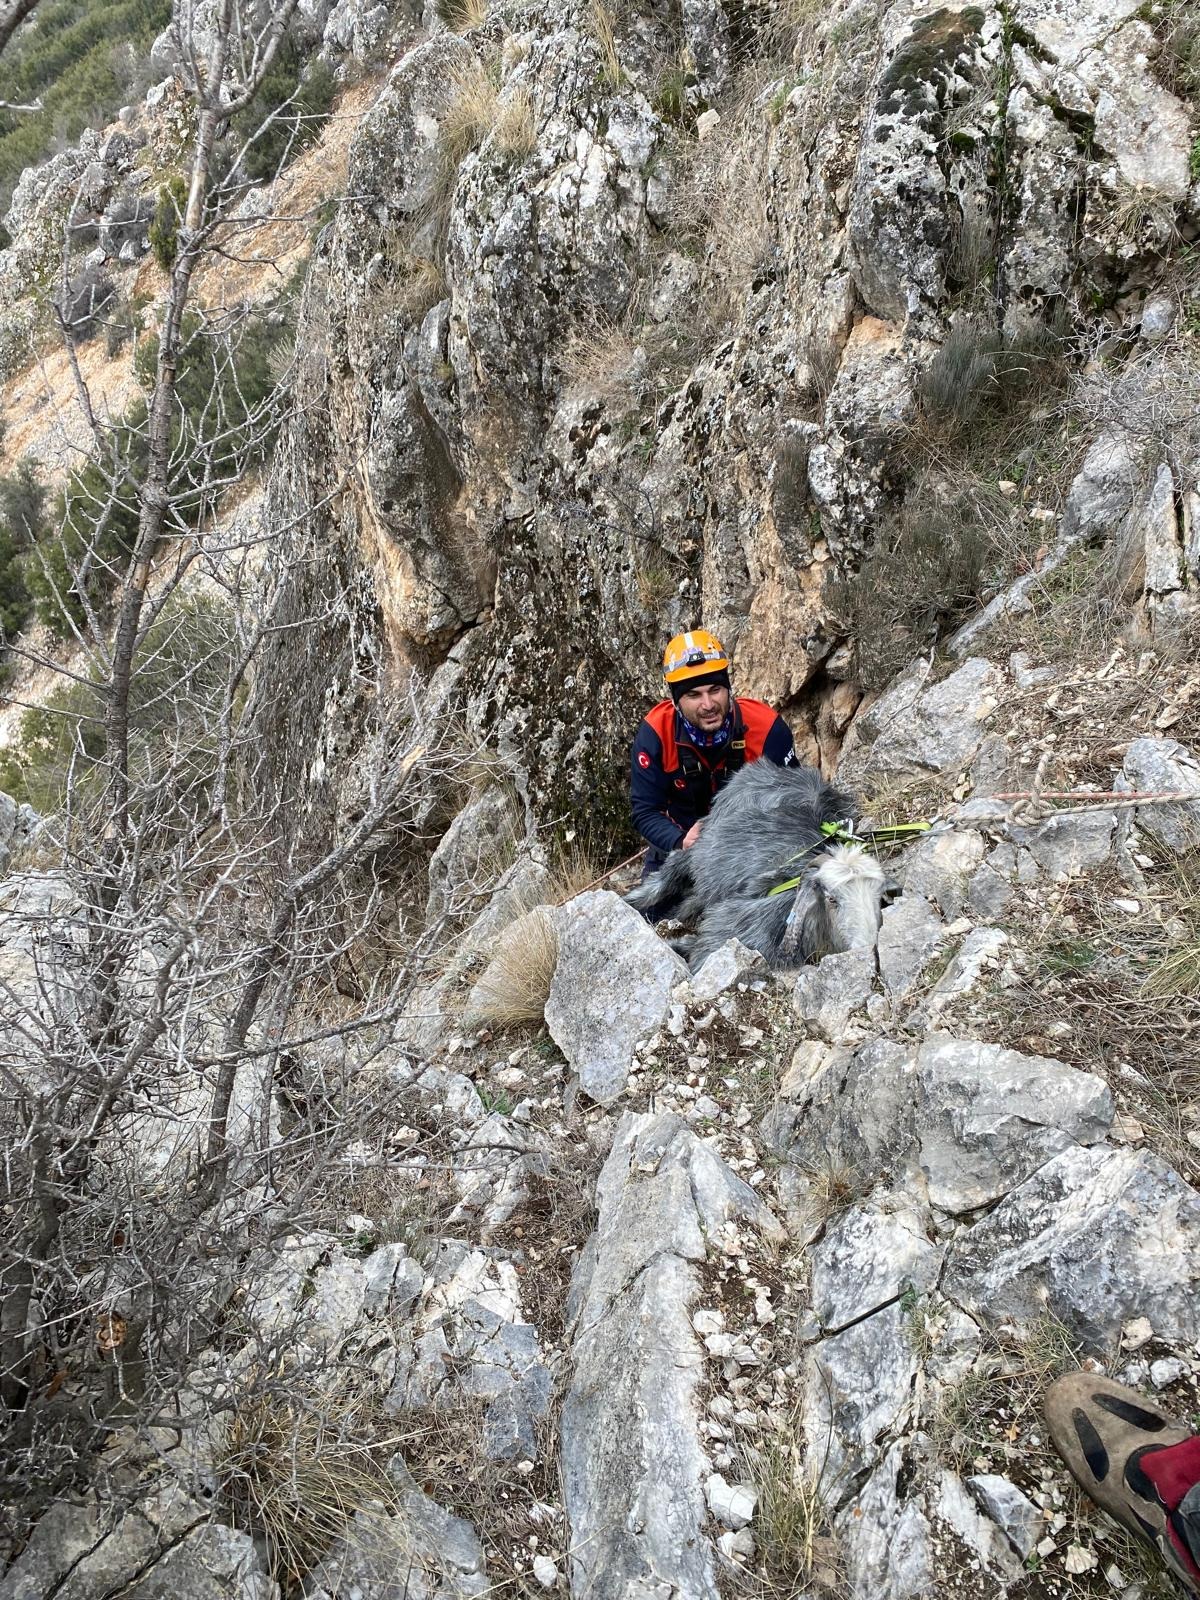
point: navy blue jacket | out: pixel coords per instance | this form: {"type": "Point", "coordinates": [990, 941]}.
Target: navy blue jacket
{"type": "Point", "coordinates": [664, 803]}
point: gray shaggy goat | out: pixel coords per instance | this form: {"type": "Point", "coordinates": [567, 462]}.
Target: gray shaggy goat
{"type": "Point", "coordinates": [764, 828]}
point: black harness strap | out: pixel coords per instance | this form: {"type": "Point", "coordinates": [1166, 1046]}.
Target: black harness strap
{"type": "Point", "coordinates": [703, 781]}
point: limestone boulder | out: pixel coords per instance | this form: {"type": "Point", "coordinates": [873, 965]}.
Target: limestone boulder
{"type": "Point", "coordinates": [1165, 766]}
{"type": "Point", "coordinates": [1097, 1237]}
{"type": "Point", "coordinates": [991, 1117]}
{"type": "Point", "coordinates": [612, 986]}
{"type": "Point", "coordinates": [920, 727]}
{"type": "Point", "coordinates": [633, 1468]}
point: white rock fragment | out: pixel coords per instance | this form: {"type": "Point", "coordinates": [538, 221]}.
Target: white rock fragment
{"type": "Point", "coordinates": [1136, 1333]}
{"type": "Point", "coordinates": [1079, 1560]}
{"type": "Point", "coordinates": [732, 1504]}
{"type": "Point", "coordinates": [1169, 1370]}
{"type": "Point", "coordinates": [545, 1571]}
{"type": "Point", "coordinates": [737, 1547]}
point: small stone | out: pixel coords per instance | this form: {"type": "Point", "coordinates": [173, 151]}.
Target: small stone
{"type": "Point", "coordinates": [732, 1504]}
{"type": "Point", "coordinates": [1047, 1547]}
{"type": "Point", "coordinates": [706, 122]}
{"type": "Point", "coordinates": [545, 1571]}
{"type": "Point", "coordinates": [1079, 1560]}
{"type": "Point", "coordinates": [737, 1547]}
{"type": "Point", "coordinates": [1126, 1129]}
{"type": "Point", "coordinates": [1169, 1370]}
{"type": "Point", "coordinates": [1136, 1333]}
{"type": "Point", "coordinates": [708, 1320]}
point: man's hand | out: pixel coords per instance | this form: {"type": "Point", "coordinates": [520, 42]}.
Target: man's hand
{"type": "Point", "coordinates": [691, 835]}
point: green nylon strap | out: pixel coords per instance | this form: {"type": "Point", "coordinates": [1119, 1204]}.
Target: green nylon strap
{"type": "Point", "coordinates": [780, 888]}
{"type": "Point", "coordinates": [897, 830]}
{"type": "Point", "coordinates": [835, 830]}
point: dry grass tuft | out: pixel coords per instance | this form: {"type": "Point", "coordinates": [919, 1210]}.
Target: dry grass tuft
{"type": "Point", "coordinates": [516, 125]}
{"type": "Point", "coordinates": [472, 111]}
{"type": "Point", "coordinates": [657, 582]}
{"type": "Point", "coordinates": [463, 16]}
{"type": "Point", "coordinates": [833, 1187]}
{"type": "Point", "coordinates": [604, 30]}
{"type": "Point", "coordinates": [1146, 218]}
{"type": "Point", "coordinates": [516, 984]}
{"type": "Point", "coordinates": [722, 204]}
{"type": "Point", "coordinates": [1178, 973]}
{"type": "Point", "coordinates": [599, 358]}
{"type": "Point", "coordinates": [792, 1526]}
{"type": "Point", "coordinates": [998, 1404]}
{"type": "Point", "coordinates": [296, 1472]}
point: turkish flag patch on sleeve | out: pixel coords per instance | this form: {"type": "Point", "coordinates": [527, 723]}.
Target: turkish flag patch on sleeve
{"type": "Point", "coordinates": [643, 759]}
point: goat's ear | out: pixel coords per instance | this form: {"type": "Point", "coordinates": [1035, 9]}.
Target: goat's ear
{"type": "Point", "coordinates": [807, 934]}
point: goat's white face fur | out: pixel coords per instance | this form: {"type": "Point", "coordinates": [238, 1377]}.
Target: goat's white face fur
{"type": "Point", "coordinates": [853, 884]}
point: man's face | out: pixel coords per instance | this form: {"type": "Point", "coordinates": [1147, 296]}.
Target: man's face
{"type": "Point", "coordinates": [705, 708]}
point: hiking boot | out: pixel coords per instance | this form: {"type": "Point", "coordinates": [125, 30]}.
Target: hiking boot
{"type": "Point", "coordinates": [1136, 1462]}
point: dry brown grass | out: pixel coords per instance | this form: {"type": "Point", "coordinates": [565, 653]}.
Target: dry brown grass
{"type": "Point", "coordinates": [599, 359]}
{"type": "Point", "coordinates": [516, 125]}
{"type": "Point", "coordinates": [1121, 985]}
{"type": "Point", "coordinates": [472, 111]}
{"type": "Point", "coordinates": [603, 22]}
{"type": "Point", "coordinates": [721, 206]}
{"type": "Point", "coordinates": [833, 1187]}
{"type": "Point", "coordinates": [515, 986]}
{"type": "Point", "coordinates": [447, 1455]}
{"type": "Point", "coordinates": [298, 1467]}
{"type": "Point", "coordinates": [998, 1404]}
{"type": "Point", "coordinates": [793, 1530]}
{"type": "Point", "coordinates": [463, 16]}
{"type": "Point", "coordinates": [657, 582]}
{"type": "Point", "coordinates": [546, 1233]}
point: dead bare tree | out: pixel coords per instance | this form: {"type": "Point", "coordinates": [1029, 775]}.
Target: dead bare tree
{"type": "Point", "coordinates": [179, 951]}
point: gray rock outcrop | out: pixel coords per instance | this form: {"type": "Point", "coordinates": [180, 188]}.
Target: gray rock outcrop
{"type": "Point", "coordinates": [612, 986]}
{"type": "Point", "coordinates": [632, 1462]}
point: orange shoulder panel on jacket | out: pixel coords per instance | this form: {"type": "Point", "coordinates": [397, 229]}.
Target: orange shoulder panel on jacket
{"type": "Point", "coordinates": [758, 719]}
{"type": "Point", "coordinates": [661, 719]}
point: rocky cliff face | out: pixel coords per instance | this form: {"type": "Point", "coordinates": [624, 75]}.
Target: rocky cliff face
{"type": "Point", "coordinates": [690, 1284]}
{"type": "Point", "coordinates": [598, 366]}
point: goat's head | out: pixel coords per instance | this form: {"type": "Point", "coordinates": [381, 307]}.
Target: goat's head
{"type": "Point", "coordinates": [848, 887]}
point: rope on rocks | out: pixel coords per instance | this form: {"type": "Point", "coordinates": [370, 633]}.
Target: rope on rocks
{"type": "Point", "coordinates": [1038, 804]}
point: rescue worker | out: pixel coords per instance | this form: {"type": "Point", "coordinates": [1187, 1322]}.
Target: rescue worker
{"type": "Point", "coordinates": [687, 747]}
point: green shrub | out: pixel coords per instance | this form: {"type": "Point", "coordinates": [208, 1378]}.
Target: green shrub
{"type": "Point", "coordinates": [930, 568]}
{"type": "Point", "coordinates": [177, 690]}
{"type": "Point", "coordinates": [222, 423]}
{"type": "Point", "coordinates": [223, 381]}
{"type": "Point", "coordinates": [65, 57]}
{"type": "Point", "coordinates": [22, 503]}
{"type": "Point", "coordinates": [674, 96]}
{"type": "Point", "coordinates": [979, 375]}
{"type": "Point", "coordinates": [15, 604]}
{"type": "Point", "coordinates": [303, 101]}
{"type": "Point", "coordinates": [168, 214]}
{"type": "Point", "coordinates": [96, 517]}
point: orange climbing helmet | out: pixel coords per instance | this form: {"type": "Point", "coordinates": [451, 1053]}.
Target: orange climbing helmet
{"type": "Point", "coordinates": [693, 655]}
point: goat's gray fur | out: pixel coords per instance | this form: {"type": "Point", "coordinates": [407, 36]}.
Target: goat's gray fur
{"type": "Point", "coordinates": [764, 827]}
